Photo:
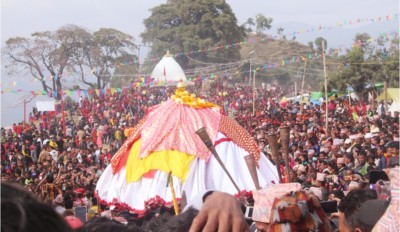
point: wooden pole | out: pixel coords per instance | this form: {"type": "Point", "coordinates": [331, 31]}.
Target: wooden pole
{"type": "Point", "coordinates": [63, 118]}
{"type": "Point", "coordinates": [385, 94]}
{"type": "Point", "coordinates": [24, 113]}
{"type": "Point", "coordinates": [302, 85]}
{"type": "Point", "coordinates": [254, 93]}
{"type": "Point", "coordinates": [174, 201]}
{"type": "Point", "coordinates": [326, 88]}
{"type": "Point", "coordinates": [250, 73]}
{"type": "Point", "coordinates": [202, 133]}
{"type": "Point", "coordinates": [349, 93]}
{"type": "Point", "coordinates": [98, 203]}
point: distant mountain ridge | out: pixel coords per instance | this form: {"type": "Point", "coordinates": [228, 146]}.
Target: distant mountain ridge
{"type": "Point", "coordinates": [337, 36]}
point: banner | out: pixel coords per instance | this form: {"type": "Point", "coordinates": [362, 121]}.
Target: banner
{"type": "Point", "coordinates": [45, 105]}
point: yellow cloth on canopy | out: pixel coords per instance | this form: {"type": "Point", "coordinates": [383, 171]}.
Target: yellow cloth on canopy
{"type": "Point", "coordinates": [174, 161]}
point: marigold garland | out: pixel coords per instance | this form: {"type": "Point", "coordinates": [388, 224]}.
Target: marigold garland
{"type": "Point", "coordinates": [184, 97]}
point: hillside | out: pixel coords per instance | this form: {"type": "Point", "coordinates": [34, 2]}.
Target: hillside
{"type": "Point", "coordinates": [273, 50]}
{"type": "Point", "coordinates": [278, 51]}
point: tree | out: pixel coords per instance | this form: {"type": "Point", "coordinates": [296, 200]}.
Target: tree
{"type": "Point", "coordinates": [318, 43]}
{"type": "Point", "coordinates": [279, 31]}
{"type": "Point", "coordinates": [189, 27]}
{"type": "Point", "coordinates": [45, 55]}
{"type": "Point", "coordinates": [25, 53]}
{"type": "Point", "coordinates": [311, 45]}
{"type": "Point", "coordinates": [103, 52]}
{"type": "Point", "coordinates": [49, 54]}
{"type": "Point", "coordinates": [365, 64]}
{"type": "Point", "coordinates": [262, 23]}
{"type": "Point", "coordinates": [248, 25]}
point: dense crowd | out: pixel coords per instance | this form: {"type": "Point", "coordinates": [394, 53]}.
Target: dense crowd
{"type": "Point", "coordinates": [61, 164]}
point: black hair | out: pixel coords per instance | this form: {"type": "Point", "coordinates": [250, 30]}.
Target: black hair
{"type": "Point", "coordinates": [167, 223]}
{"type": "Point", "coordinates": [22, 211]}
{"type": "Point", "coordinates": [49, 178]}
{"type": "Point", "coordinates": [394, 144]}
{"type": "Point", "coordinates": [103, 224]}
{"type": "Point", "coordinates": [350, 204]}
{"type": "Point", "coordinates": [68, 201]}
{"type": "Point", "coordinates": [338, 194]}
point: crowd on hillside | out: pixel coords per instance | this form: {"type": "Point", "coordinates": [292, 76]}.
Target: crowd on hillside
{"type": "Point", "coordinates": [62, 165]}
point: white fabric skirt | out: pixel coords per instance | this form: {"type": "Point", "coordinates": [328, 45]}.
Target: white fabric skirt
{"type": "Point", "coordinates": [203, 175]}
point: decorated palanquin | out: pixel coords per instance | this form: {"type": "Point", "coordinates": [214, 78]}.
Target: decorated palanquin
{"type": "Point", "coordinates": [163, 150]}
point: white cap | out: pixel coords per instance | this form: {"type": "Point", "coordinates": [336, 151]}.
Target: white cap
{"type": "Point", "coordinates": [340, 160]}
{"type": "Point", "coordinates": [321, 176]}
{"type": "Point", "coordinates": [347, 141]}
{"type": "Point", "coordinates": [301, 168]}
{"type": "Point", "coordinates": [368, 135]}
{"type": "Point", "coordinates": [337, 142]}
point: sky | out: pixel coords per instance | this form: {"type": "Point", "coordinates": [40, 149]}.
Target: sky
{"type": "Point", "coordinates": [23, 17]}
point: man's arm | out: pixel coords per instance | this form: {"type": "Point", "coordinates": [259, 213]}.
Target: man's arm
{"type": "Point", "coordinates": [220, 212]}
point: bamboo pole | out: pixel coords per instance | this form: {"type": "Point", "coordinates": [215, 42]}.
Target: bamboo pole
{"type": "Point", "coordinates": [174, 201]}
{"type": "Point", "coordinates": [326, 88]}
{"type": "Point", "coordinates": [385, 94]}
{"type": "Point", "coordinates": [302, 85]}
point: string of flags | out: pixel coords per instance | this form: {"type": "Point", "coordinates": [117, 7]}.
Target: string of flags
{"type": "Point", "coordinates": [282, 62]}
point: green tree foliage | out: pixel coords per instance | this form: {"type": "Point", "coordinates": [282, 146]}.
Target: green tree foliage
{"type": "Point", "coordinates": [187, 26]}
{"type": "Point", "coordinates": [112, 52]}
{"type": "Point", "coordinates": [279, 31]}
{"type": "Point", "coordinates": [368, 63]}
{"type": "Point", "coordinates": [311, 45]}
{"type": "Point", "coordinates": [260, 22]}
{"type": "Point", "coordinates": [318, 44]}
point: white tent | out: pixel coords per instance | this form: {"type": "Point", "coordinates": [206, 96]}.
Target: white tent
{"type": "Point", "coordinates": [168, 70]}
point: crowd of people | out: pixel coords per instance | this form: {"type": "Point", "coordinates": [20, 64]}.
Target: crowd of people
{"type": "Point", "coordinates": [60, 158]}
